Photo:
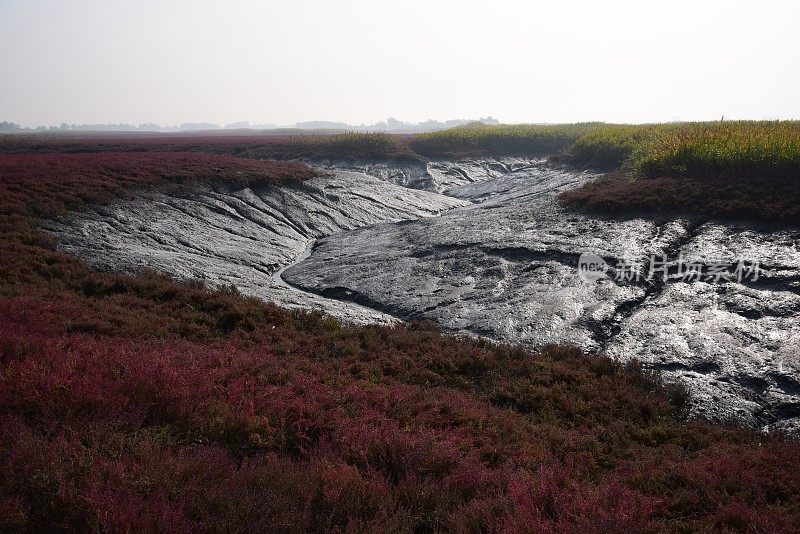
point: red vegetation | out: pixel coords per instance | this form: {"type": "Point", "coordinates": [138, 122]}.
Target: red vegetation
{"type": "Point", "coordinates": [49, 184]}
{"type": "Point", "coordinates": [139, 404]}
{"type": "Point", "coordinates": [308, 425]}
{"type": "Point", "coordinates": [339, 146]}
{"type": "Point", "coordinates": [770, 200]}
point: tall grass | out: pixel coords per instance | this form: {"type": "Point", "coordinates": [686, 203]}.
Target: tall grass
{"type": "Point", "coordinates": [722, 149]}
{"type": "Point", "coordinates": [735, 169]}
{"type": "Point", "coordinates": [519, 139]}
{"type": "Point", "coordinates": [353, 145]}
{"type": "Point", "coordinates": [707, 149]}
{"type": "Point", "coordinates": [611, 146]}
{"type": "Point", "coordinates": [736, 149]}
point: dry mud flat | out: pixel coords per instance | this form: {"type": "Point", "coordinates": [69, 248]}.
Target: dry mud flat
{"type": "Point", "coordinates": [481, 246]}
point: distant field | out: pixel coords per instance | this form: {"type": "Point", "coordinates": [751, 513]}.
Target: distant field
{"type": "Point", "coordinates": [711, 149]}
{"type": "Point", "coordinates": [253, 146]}
{"type": "Point", "coordinates": [730, 169]}
{"type": "Point", "coordinates": [501, 140]}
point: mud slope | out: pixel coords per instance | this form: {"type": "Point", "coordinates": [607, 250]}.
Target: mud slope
{"type": "Point", "coordinates": [245, 238]}
{"type": "Point", "coordinates": [482, 247]}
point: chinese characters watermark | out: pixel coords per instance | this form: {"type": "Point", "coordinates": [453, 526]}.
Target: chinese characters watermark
{"type": "Point", "coordinates": [592, 267]}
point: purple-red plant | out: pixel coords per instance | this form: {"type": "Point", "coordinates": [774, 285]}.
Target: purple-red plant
{"type": "Point", "coordinates": [134, 403]}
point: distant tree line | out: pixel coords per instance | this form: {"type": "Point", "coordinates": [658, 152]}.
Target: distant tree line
{"type": "Point", "coordinates": [390, 125]}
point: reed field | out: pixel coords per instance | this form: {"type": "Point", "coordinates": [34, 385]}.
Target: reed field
{"type": "Point", "coordinates": [721, 169]}
{"type": "Point", "coordinates": [721, 149]}
{"type": "Point", "coordinates": [493, 140]}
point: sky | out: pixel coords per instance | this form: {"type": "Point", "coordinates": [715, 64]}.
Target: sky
{"type": "Point", "coordinates": [169, 62]}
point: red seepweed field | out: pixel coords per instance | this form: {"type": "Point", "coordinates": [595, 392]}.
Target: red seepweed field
{"type": "Point", "coordinates": [136, 403]}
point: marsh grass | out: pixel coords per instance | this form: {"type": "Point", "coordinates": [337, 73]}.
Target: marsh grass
{"type": "Point", "coordinates": [733, 149]}
{"type": "Point", "coordinates": [477, 139]}
{"type": "Point", "coordinates": [721, 169]}
{"type": "Point", "coordinates": [721, 149]}
{"type": "Point", "coordinates": [354, 145]}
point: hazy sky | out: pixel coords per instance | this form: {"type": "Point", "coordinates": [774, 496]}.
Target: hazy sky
{"type": "Point", "coordinates": [92, 61]}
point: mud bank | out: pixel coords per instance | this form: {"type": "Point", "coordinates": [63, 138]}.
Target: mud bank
{"type": "Point", "coordinates": [482, 247]}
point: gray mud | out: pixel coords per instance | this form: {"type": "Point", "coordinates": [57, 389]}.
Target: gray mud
{"type": "Point", "coordinates": [482, 247]}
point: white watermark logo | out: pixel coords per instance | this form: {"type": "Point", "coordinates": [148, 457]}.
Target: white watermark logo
{"type": "Point", "coordinates": [592, 267]}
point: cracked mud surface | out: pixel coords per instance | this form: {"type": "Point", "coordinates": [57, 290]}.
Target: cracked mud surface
{"type": "Point", "coordinates": [481, 247]}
